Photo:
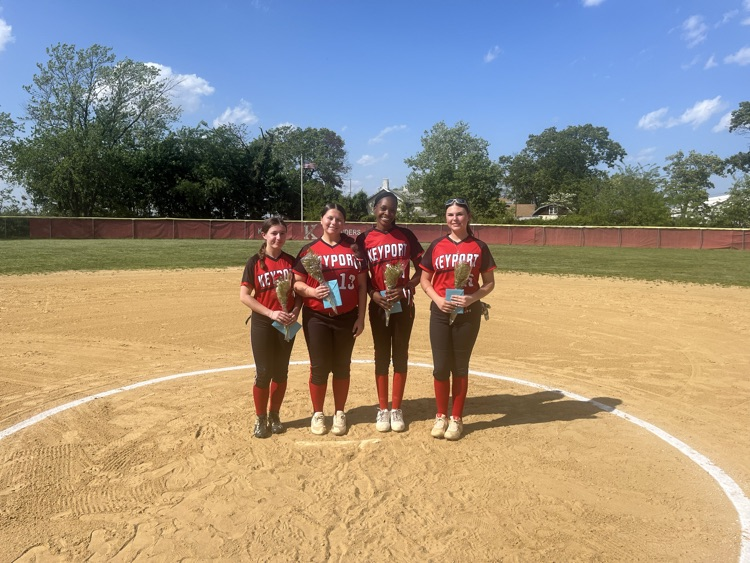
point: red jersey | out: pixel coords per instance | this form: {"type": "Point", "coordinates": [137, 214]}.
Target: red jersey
{"type": "Point", "coordinates": [338, 262]}
{"type": "Point", "coordinates": [443, 255]}
{"type": "Point", "coordinates": [380, 248]}
{"type": "Point", "coordinates": [263, 282]}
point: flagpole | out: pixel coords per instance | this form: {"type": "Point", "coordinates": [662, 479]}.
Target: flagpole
{"type": "Point", "coordinates": [301, 184]}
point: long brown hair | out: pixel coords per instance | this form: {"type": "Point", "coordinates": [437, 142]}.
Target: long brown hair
{"type": "Point", "coordinates": [267, 224]}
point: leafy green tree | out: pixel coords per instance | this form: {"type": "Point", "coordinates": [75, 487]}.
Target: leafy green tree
{"type": "Point", "coordinates": [322, 148]}
{"type": "Point", "coordinates": [741, 119]}
{"type": "Point", "coordinates": [687, 184]}
{"type": "Point", "coordinates": [560, 162]}
{"type": "Point", "coordinates": [317, 195]}
{"type": "Point", "coordinates": [740, 122]}
{"type": "Point", "coordinates": [455, 163]}
{"type": "Point", "coordinates": [9, 204]}
{"type": "Point", "coordinates": [90, 115]}
{"type": "Point", "coordinates": [734, 212]}
{"type": "Point", "coordinates": [203, 172]}
{"type": "Point", "coordinates": [631, 196]}
{"type": "Point", "coordinates": [8, 130]}
{"type": "Point", "coordinates": [407, 207]}
{"type": "Point", "coordinates": [356, 206]}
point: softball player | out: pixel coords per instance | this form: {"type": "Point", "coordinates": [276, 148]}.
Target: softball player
{"type": "Point", "coordinates": [270, 349]}
{"type": "Point", "coordinates": [452, 343]}
{"type": "Point", "coordinates": [385, 244]}
{"type": "Point", "coordinates": [330, 335]}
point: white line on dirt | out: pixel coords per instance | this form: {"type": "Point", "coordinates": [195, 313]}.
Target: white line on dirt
{"type": "Point", "coordinates": [731, 489]}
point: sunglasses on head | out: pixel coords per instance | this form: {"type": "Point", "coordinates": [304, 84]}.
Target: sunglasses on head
{"type": "Point", "coordinates": [457, 201]}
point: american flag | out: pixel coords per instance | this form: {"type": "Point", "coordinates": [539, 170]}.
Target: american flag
{"type": "Point", "coordinates": [309, 166]}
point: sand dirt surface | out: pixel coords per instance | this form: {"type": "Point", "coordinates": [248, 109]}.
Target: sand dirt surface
{"type": "Point", "coordinates": [169, 471]}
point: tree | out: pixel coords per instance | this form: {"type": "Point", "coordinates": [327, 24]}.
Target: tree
{"type": "Point", "coordinates": [321, 147]}
{"type": "Point", "coordinates": [741, 119]}
{"type": "Point", "coordinates": [216, 172]}
{"type": "Point", "coordinates": [91, 114]}
{"type": "Point", "coordinates": [9, 204]}
{"type": "Point", "coordinates": [687, 184]}
{"type": "Point", "coordinates": [356, 206]}
{"type": "Point", "coordinates": [740, 122]}
{"type": "Point", "coordinates": [560, 162]}
{"type": "Point", "coordinates": [734, 212]}
{"type": "Point", "coordinates": [8, 130]}
{"type": "Point", "coordinates": [455, 163]}
{"type": "Point", "coordinates": [629, 197]}
{"type": "Point", "coordinates": [317, 195]}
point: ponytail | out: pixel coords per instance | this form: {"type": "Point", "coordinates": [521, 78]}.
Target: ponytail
{"type": "Point", "coordinates": [262, 257]}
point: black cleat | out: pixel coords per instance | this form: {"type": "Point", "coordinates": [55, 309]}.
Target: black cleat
{"type": "Point", "coordinates": [275, 423]}
{"type": "Point", "coordinates": [261, 429]}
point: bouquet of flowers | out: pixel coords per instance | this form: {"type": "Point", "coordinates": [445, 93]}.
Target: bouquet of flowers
{"type": "Point", "coordinates": [283, 287]}
{"type": "Point", "coordinates": [391, 275]}
{"type": "Point", "coordinates": [461, 273]}
{"type": "Point", "coordinates": [311, 262]}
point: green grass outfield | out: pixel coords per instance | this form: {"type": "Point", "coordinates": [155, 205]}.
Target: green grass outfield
{"type": "Point", "coordinates": [722, 267]}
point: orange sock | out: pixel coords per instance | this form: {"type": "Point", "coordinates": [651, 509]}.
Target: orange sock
{"type": "Point", "coordinates": [399, 383]}
{"type": "Point", "coordinates": [442, 395]}
{"type": "Point", "coordinates": [340, 392]}
{"type": "Point", "coordinates": [381, 383]}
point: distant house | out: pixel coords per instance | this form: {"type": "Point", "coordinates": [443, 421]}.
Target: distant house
{"type": "Point", "coordinates": [550, 211]}
{"type": "Point", "coordinates": [713, 202]}
{"type": "Point", "coordinates": [717, 199]}
{"type": "Point", "coordinates": [403, 196]}
{"type": "Point", "coordinates": [520, 210]}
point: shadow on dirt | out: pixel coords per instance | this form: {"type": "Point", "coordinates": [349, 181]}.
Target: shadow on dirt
{"type": "Point", "coordinates": [533, 408]}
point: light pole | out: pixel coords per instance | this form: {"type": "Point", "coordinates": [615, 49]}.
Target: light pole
{"type": "Point", "coordinates": [301, 190]}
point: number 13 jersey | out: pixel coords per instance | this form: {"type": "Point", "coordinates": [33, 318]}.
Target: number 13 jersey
{"type": "Point", "coordinates": [338, 262]}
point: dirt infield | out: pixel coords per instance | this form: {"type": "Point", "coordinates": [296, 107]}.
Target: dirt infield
{"type": "Point", "coordinates": [169, 471]}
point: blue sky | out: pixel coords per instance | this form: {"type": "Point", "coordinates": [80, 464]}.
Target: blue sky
{"type": "Point", "coordinates": [660, 75]}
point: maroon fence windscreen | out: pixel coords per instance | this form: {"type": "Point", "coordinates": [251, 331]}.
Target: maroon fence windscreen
{"type": "Point", "coordinates": [534, 235]}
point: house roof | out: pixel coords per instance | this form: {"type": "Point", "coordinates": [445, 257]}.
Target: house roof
{"type": "Point", "coordinates": [544, 209]}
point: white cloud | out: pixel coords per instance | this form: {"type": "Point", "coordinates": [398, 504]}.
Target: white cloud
{"type": "Point", "coordinates": [492, 54]}
{"type": "Point", "coordinates": [591, 3]}
{"type": "Point", "coordinates": [240, 115]}
{"type": "Point", "coordinates": [653, 120]}
{"type": "Point", "coordinates": [710, 63]}
{"type": "Point", "coordinates": [746, 21]}
{"type": "Point", "coordinates": [699, 113]}
{"type": "Point", "coordinates": [694, 30]}
{"type": "Point", "coordinates": [380, 136]}
{"type": "Point", "coordinates": [741, 57]}
{"type": "Point", "coordinates": [188, 89]}
{"type": "Point", "coordinates": [695, 116]}
{"type": "Point", "coordinates": [723, 124]}
{"type": "Point", "coordinates": [6, 34]}
{"type": "Point", "coordinates": [369, 160]}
